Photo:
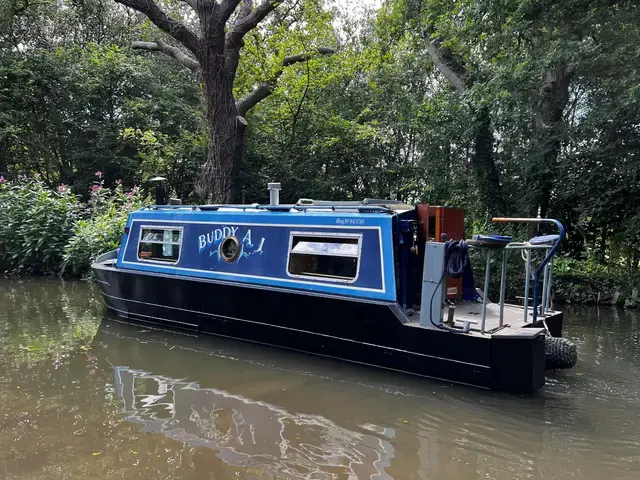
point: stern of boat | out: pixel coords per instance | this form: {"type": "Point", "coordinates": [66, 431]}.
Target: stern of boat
{"type": "Point", "coordinates": [523, 338]}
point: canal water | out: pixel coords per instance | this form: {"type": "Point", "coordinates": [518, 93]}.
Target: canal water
{"type": "Point", "coordinates": [85, 396]}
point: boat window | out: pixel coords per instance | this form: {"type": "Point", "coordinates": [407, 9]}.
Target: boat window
{"type": "Point", "coordinates": [329, 257]}
{"type": "Point", "coordinates": [160, 244]}
{"type": "Point", "coordinates": [230, 249]}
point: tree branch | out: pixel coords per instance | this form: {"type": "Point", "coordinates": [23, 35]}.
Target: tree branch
{"type": "Point", "coordinates": [232, 60]}
{"type": "Point", "coordinates": [247, 8]}
{"type": "Point", "coordinates": [260, 93]}
{"type": "Point", "coordinates": [192, 3]}
{"type": "Point", "coordinates": [296, 114]}
{"type": "Point", "coordinates": [448, 65]}
{"type": "Point", "coordinates": [164, 22]}
{"type": "Point", "coordinates": [227, 8]}
{"type": "Point", "coordinates": [175, 52]}
{"type": "Point", "coordinates": [247, 23]}
{"type": "Point", "coordinates": [232, 52]}
{"type": "Point", "coordinates": [265, 89]}
{"type": "Point", "coordinates": [306, 56]}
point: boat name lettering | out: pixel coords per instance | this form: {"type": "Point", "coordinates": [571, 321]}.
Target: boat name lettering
{"type": "Point", "coordinates": [212, 240]}
{"type": "Point", "coordinates": [215, 236]}
{"type": "Point", "coordinates": [350, 221]}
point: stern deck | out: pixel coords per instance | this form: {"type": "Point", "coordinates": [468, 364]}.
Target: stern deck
{"type": "Point", "coordinates": [513, 324]}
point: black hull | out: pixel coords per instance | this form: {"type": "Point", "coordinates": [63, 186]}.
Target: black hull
{"type": "Point", "coordinates": [371, 333]}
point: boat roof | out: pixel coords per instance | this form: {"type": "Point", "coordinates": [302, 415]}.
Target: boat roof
{"type": "Point", "coordinates": [316, 208]}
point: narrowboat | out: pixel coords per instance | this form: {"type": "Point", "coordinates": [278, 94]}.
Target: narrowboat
{"type": "Point", "coordinates": [375, 282]}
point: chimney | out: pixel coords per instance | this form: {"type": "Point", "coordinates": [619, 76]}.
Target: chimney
{"type": "Point", "coordinates": [161, 194]}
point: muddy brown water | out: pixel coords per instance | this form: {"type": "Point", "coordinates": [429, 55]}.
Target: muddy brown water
{"type": "Point", "coordinates": [85, 396]}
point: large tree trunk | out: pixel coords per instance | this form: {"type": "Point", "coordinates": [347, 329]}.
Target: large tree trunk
{"type": "Point", "coordinates": [4, 148]}
{"type": "Point", "coordinates": [484, 165]}
{"type": "Point", "coordinates": [219, 181]}
{"type": "Point", "coordinates": [216, 180]}
{"type": "Point", "coordinates": [483, 160]}
{"type": "Point", "coordinates": [225, 143]}
{"type": "Point", "coordinates": [553, 99]}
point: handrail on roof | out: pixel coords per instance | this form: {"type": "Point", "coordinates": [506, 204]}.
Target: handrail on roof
{"type": "Point", "coordinates": [199, 207]}
{"type": "Point", "coordinates": [359, 208]}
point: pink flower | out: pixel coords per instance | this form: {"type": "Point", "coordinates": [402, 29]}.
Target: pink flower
{"type": "Point", "coordinates": [131, 192]}
{"type": "Point", "coordinates": [118, 182]}
{"type": "Point", "coordinates": [63, 188]}
{"type": "Point", "coordinates": [1, 179]}
{"type": "Point", "coordinates": [95, 187]}
{"type": "Point", "coordinates": [99, 174]}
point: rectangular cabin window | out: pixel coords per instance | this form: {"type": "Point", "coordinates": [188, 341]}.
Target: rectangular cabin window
{"type": "Point", "coordinates": [160, 244]}
{"type": "Point", "coordinates": [329, 257]}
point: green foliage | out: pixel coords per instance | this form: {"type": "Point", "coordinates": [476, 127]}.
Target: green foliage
{"type": "Point", "coordinates": [64, 112]}
{"type": "Point", "coordinates": [47, 231]}
{"type": "Point", "coordinates": [294, 28]}
{"type": "Point", "coordinates": [574, 281]}
{"type": "Point", "coordinates": [176, 157]}
{"type": "Point", "coordinates": [376, 119]}
{"type": "Point", "coordinates": [591, 282]}
{"type": "Point", "coordinates": [102, 230]}
{"type": "Point", "coordinates": [583, 158]}
{"type": "Point", "coordinates": [35, 225]}
{"type": "Point", "coordinates": [371, 126]}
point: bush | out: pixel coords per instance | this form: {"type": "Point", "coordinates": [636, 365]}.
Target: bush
{"type": "Point", "coordinates": [102, 230]}
{"type": "Point", "coordinates": [574, 281]}
{"type": "Point", "coordinates": [585, 281]}
{"type": "Point", "coordinates": [47, 231]}
{"type": "Point", "coordinates": [35, 225]}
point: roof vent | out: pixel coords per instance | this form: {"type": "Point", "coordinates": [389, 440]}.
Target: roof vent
{"type": "Point", "coordinates": [274, 193]}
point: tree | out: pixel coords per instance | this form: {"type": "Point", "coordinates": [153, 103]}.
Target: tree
{"type": "Point", "coordinates": [214, 53]}
{"type": "Point", "coordinates": [424, 19]}
{"type": "Point", "coordinates": [375, 123]}
{"type": "Point", "coordinates": [483, 159]}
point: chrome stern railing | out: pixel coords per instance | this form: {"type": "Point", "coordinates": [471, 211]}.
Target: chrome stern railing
{"type": "Point", "coordinates": [545, 268]}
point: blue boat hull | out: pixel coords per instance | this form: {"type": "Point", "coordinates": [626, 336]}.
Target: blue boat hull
{"type": "Point", "coordinates": [366, 332]}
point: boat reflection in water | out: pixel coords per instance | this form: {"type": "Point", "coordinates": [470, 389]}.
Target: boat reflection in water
{"type": "Point", "coordinates": [247, 433]}
{"type": "Point", "coordinates": [290, 415]}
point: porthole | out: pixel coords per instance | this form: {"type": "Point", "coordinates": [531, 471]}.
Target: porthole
{"type": "Point", "coordinates": [230, 249]}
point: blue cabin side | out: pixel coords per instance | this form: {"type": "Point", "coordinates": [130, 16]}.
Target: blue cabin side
{"type": "Point", "coordinates": [283, 249]}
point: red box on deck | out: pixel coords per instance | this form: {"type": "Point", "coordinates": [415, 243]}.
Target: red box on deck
{"type": "Point", "coordinates": [436, 221]}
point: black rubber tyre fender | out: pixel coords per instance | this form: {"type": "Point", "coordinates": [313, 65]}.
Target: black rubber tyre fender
{"type": "Point", "coordinates": [560, 353]}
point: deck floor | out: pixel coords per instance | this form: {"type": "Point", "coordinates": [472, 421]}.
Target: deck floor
{"type": "Point", "coordinates": [513, 318]}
